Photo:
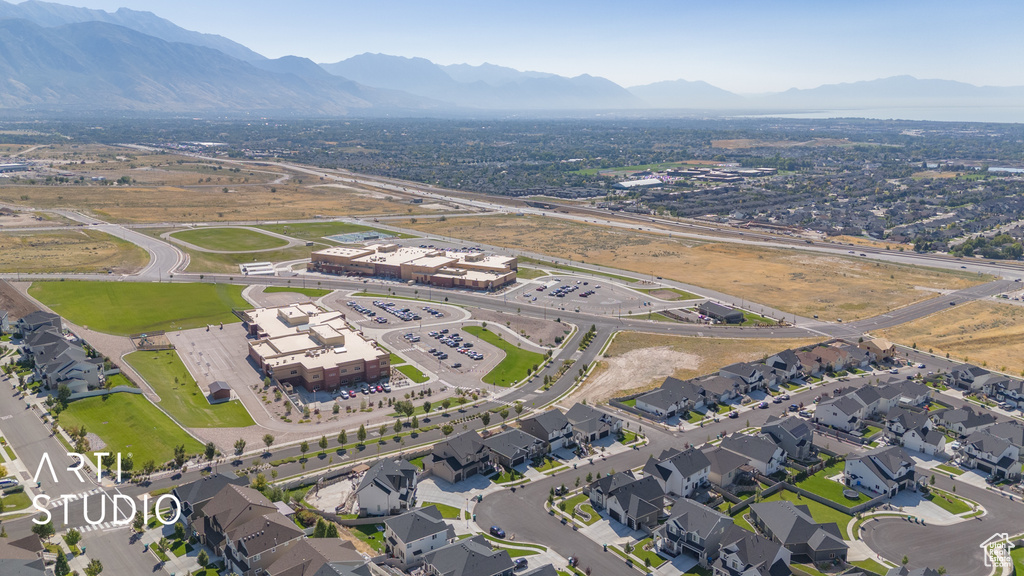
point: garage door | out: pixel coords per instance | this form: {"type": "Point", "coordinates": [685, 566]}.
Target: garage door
{"type": "Point", "coordinates": [603, 434]}
{"type": "Point", "coordinates": [518, 461]}
{"type": "Point", "coordinates": [615, 515]}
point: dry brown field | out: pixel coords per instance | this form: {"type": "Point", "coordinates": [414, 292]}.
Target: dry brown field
{"type": "Point", "coordinates": [986, 333]}
{"type": "Point", "coordinates": [70, 251]}
{"type": "Point", "coordinates": [743, 143]}
{"type": "Point", "coordinates": [794, 281]}
{"type": "Point", "coordinates": [638, 361]}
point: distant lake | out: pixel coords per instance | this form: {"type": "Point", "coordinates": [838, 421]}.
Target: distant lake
{"type": "Point", "coordinates": [1014, 115]}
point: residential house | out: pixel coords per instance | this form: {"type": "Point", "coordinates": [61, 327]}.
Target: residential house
{"type": "Point", "coordinates": [23, 557]}
{"type": "Point", "coordinates": [794, 528]}
{"type": "Point", "coordinates": [881, 348]}
{"type": "Point", "coordinates": [811, 362]}
{"type": "Point", "coordinates": [319, 556]}
{"type": "Point", "coordinates": [388, 487]}
{"type": "Point", "coordinates": [974, 378]}
{"type": "Point", "coordinates": [458, 457]}
{"type": "Point", "coordinates": [59, 361]}
{"type": "Point", "coordinates": [996, 450]}
{"type": "Point", "coordinates": [792, 434]}
{"type": "Point", "coordinates": [846, 411]}
{"type": "Point", "coordinates": [751, 376]}
{"type": "Point", "coordinates": [590, 424]}
{"type": "Point", "coordinates": [1010, 391]}
{"type": "Point", "coordinates": [246, 531]}
{"type": "Point", "coordinates": [854, 357]}
{"type": "Point", "coordinates": [696, 530]}
{"type": "Point", "coordinates": [786, 363]}
{"type": "Point", "coordinates": [760, 451]}
{"type": "Point", "coordinates": [673, 397]}
{"type": "Point", "coordinates": [904, 571]}
{"type": "Point", "coordinates": [885, 470]}
{"type": "Point", "coordinates": [35, 320]}
{"type": "Point", "coordinates": [635, 502]}
{"type": "Point", "coordinates": [964, 421]}
{"type": "Point", "coordinates": [679, 472]}
{"type": "Point", "coordinates": [726, 467]}
{"type": "Point", "coordinates": [914, 430]}
{"type": "Point", "coordinates": [197, 493]}
{"type": "Point", "coordinates": [908, 391]}
{"type": "Point", "coordinates": [720, 390]}
{"type": "Point", "coordinates": [468, 557]}
{"type": "Point", "coordinates": [409, 536]}
{"type": "Point", "coordinates": [551, 426]}
{"type": "Point", "coordinates": [752, 555]}
{"type": "Point", "coordinates": [514, 447]}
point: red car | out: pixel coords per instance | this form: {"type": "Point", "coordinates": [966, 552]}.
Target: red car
{"type": "Point", "coordinates": [380, 388]}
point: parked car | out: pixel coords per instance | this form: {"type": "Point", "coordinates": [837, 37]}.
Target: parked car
{"type": "Point", "coordinates": [734, 414]}
{"type": "Point", "coordinates": [457, 365]}
{"type": "Point", "coordinates": [777, 400]}
{"type": "Point", "coordinates": [521, 563]}
{"type": "Point", "coordinates": [497, 532]}
{"type": "Point", "coordinates": [762, 405]}
{"type": "Point", "coordinates": [804, 413]}
{"type": "Point", "coordinates": [793, 408]}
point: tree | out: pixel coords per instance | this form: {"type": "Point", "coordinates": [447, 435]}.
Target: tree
{"type": "Point", "coordinates": [108, 461]}
{"type": "Point", "coordinates": [426, 407]}
{"type": "Point", "coordinates": [323, 444]}
{"type": "Point", "coordinates": [361, 433]}
{"type": "Point", "coordinates": [321, 528]}
{"type": "Point", "coordinates": [590, 477]}
{"type": "Point", "coordinates": [342, 438]}
{"type": "Point", "coordinates": [63, 396]}
{"type": "Point", "coordinates": [137, 524]}
{"type": "Point", "coordinates": [179, 456]}
{"type": "Point", "coordinates": [239, 447]}
{"type": "Point", "coordinates": [93, 568]}
{"type": "Point", "coordinates": [445, 404]}
{"type": "Point", "coordinates": [332, 531]}
{"type": "Point", "coordinates": [518, 408]}
{"type": "Point", "coordinates": [397, 427]}
{"type": "Point", "coordinates": [179, 531]}
{"type": "Point", "coordinates": [73, 537]}
{"type": "Point", "coordinates": [504, 415]}
{"type": "Point", "coordinates": [415, 423]}
{"type": "Point", "coordinates": [486, 418]}
{"type": "Point", "coordinates": [61, 567]}
{"type": "Point", "coordinates": [44, 531]}
{"type": "Point", "coordinates": [149, 467]}
{"type": "Point", "coordinates": [447, 429]}
{"type": "Point", "coordinates": [382, 430]}
{"type": "Point", "coordinates": [268, 441]}
{"type": "Point", "coordinates": [210, 451]}
{"type": "Point", "coordinates": [162, 545]}
{"type": "Point", "coordinates": [905, 560]}
{"type": "Point", "coordinates": [304, 447]}
{"type": "Point", "coordinates": [203, 558]}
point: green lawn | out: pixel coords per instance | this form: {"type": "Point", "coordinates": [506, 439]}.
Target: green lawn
{"type": "Point", "coordinates": [115, 380]}
{"type": "Point", "coordinates": [870, 565]}
{"type": "Point", "coordinates": [180, 548]}
{"type": "Point", "coordinates": [318, 230]}
{"type": "Point", "coordinates": [529, 273]}
{"type": "Point", "coordinates": [656, 316]}
{"type": "Point", "coordinates": [516, 364]}
{"type": "Point", "coordinates": [642, 554]}
{"type": "Point", "coordinates": [311, 292]}
{"type": "Point", "coordinates": [229, 239]}
{"type": "Point", "coordinates": [948, 502]}
{"type": "Point", "coordinates": [819, 512]}
{"type": "Point", "coordinates": [396, 359]}
{"type": "Point", "coordinates": [949, 470]}
{"type": "Point", "coordinates": [134, 307]}
{"type": "Point", "coordinates": [417, 462]}
{"type": "Point", "coordinates": [822, 486]}
{"type": "Point", "coordinates": [447, 512]}
{"type": "Point", "coordinates": [1017, 554]}
{"type": "Point", "coordinates": [742, 522]}
{"type": "Point", "coordinates": [129, 423]}
{"type": "Point", "coordinates": [548, 465]}
{"type": "Point", "coordinates": [368, 533]}
{"type": "Point", "coordinates": [181, 397]}
{"type": "Point", "coordinates": [16, 501]}
{"type": "Point", "coordinates": [413, 373]}
{"type": "Point", "coordinates": [751, 319]}
{"type": "Point", "coordinates": [870, 431]}
{"type": "Point", "coordinates": [680, 294]}
{"type": "Point", "coordinates": [631, 403]}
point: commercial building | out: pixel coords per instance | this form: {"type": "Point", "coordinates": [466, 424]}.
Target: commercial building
{"type": "Point", "coordinates": [422, 265]}
{"type": "Point", "coordinates": [303, 345]}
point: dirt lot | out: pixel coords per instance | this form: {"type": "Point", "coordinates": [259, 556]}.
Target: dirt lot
{"type": "Point", "coordinates": [640, 361]}
{"type": "Point", "coordinates": [791, 280]}
{"type": "Point", "coordinates": [14, 302]}
{"type": "Point", "coordinates": [984, 333]}
{"type": "Point", "coordinates": [743, 143]}
{"type": "Point", "coordinates": [540, 331]}
{"type": "Point", "coordinates": [69, 251]}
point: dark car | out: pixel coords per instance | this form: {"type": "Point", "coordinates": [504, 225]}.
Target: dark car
{"type": "Point", "coordinates": [734, 414]}
{"type": "Point", "coordinates": [521, 563]}
{"type": "Point", "coordinates": [793, 408]}
{"type": "Point", "coordinates": [497, 532]}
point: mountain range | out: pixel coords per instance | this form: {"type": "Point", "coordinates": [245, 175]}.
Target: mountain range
{"type": "Point", "coordinates": [62, 59]}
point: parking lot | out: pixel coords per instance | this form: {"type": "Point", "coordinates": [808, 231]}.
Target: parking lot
{"type": "Point", "coordinates": [583, 294]}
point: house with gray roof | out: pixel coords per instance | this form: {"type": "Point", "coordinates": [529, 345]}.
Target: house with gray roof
{"type": "Point", "coordinates": [318, 556]}
{"type": "Point", "coordinates": [410, 536]}
{"type": "Point", "coordinates": [794, 528]}
{"type": "Point", "coordinates": [673, 397]}
{"type": "Point", "coordinates": [679, 472]}
{"type": "Point", "coordinates": [792, 434]}
{"type": "Point", "coordinates": [885, 470]}
{"type": "Point", "coordinates": [752, 555]}
{"type": "Point", "coordinates": [719, 389]}
{"type": "Point", "coordinates": [23, 557]}
{"type": "Point", "coordinates": [752, 376]}
{"type": "Point", "coordinates": [786, 363]}
{"type": "Point", "coordinates": [459, 457]}
{"type": "Point", "coordinates": [726, 467]}
{"type": "Point", "coordinates": [388, 487]}
{"type": "Point", "coordinates": [468, 557]}
{"type": "Point", "coordinates": [514, 447]}
{"type": "Point", "coordinates": [995, 450]}
{"type": "Point", "coordinates": [721, 313]}
{"type": "Point", "coordinates": [914, 429]}
{"type": "Point", "coordinates": [965, 420]}
{"type": "Point", "coordinates": [635, 502]}
{"type": "Point", "coordinates": [760, 451]}
{"type": "Point", "coordinates": [696, 530]}
{"type": "Point", "coordinates": [551, 427]}
{"type": "Point", "coordinates": [590, 424]}
{"type": "Point", "coordinates": [904, 571]}
{"type": "Point", "coordinates": [194, 495]}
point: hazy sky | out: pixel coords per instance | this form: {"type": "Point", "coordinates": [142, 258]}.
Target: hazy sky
{"type": "Point", "coordinates": [740, 45]}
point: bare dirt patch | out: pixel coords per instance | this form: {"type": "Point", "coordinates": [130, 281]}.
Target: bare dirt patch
{"type": "Point", "coordinates": [14, 302]}
{"type": "Point", "coordinates": [794, 281]}
{"type": "Point", "coordinates": [985, 333]}
{"type": "Point", "coordinates": [640, 361]}
{"type": "Point", "coordinates": [72, 251]}
{"type": "Point", "coordinates": [742, 143]}
{"type": "Point", "coordinates": [537, 330]}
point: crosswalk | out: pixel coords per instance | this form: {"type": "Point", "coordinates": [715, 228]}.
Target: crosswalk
{"type": "Point", "coordinates": [108, 525]}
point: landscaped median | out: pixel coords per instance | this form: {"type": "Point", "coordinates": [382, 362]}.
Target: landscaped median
{"type": "Point", "coordinates": [515, 366]}
{"type": "Point", "coordinates": [577, 509]}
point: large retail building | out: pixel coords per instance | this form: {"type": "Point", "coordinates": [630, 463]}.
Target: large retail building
{"type": "Point", "coordinates": [423, 265]}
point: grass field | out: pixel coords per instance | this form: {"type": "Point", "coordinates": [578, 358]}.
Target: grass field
{"type": "Point", "coordinates": [413, 373]}
{"type": "Point", "coordinates": [516, 364]}
{"type": "Point", "coordinates": [822, 486]}
{"type": "Point", "coordinates": [529, 273]}
{"type": "Point", "coordinates": [311, 292]}
{"type": "Point", "coordinates": [181, 397]}
{"type": "Point", "coordinates": [949, 470]}
{"type": "Point", "coordinates": [670, 294]}
{"type": "Point", "coordinates": [128, 423]}
{"type": "Point", "coordinates": [644, 360]}
{"type": "Point", "coordinates": [70, 251]}
{"type": "Point", "coordinates": [199, 261]}
{"type": "Point", "coordinates": [447, 512]}
{"type": "Point", "coordinates": [987, 333]}
{"type": "Point", "coordinates": [819, 512]}
{"type": "Point", "coordinates": [316, 231]}
{"type": "Point", "coordinates": [136, 307]}
{"type": "Point", "coordinates": [949, 502]}
{"type": "Point", "coordinates": [233, 239]}
{"type": "Point", "coordinates": [795, 281]}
